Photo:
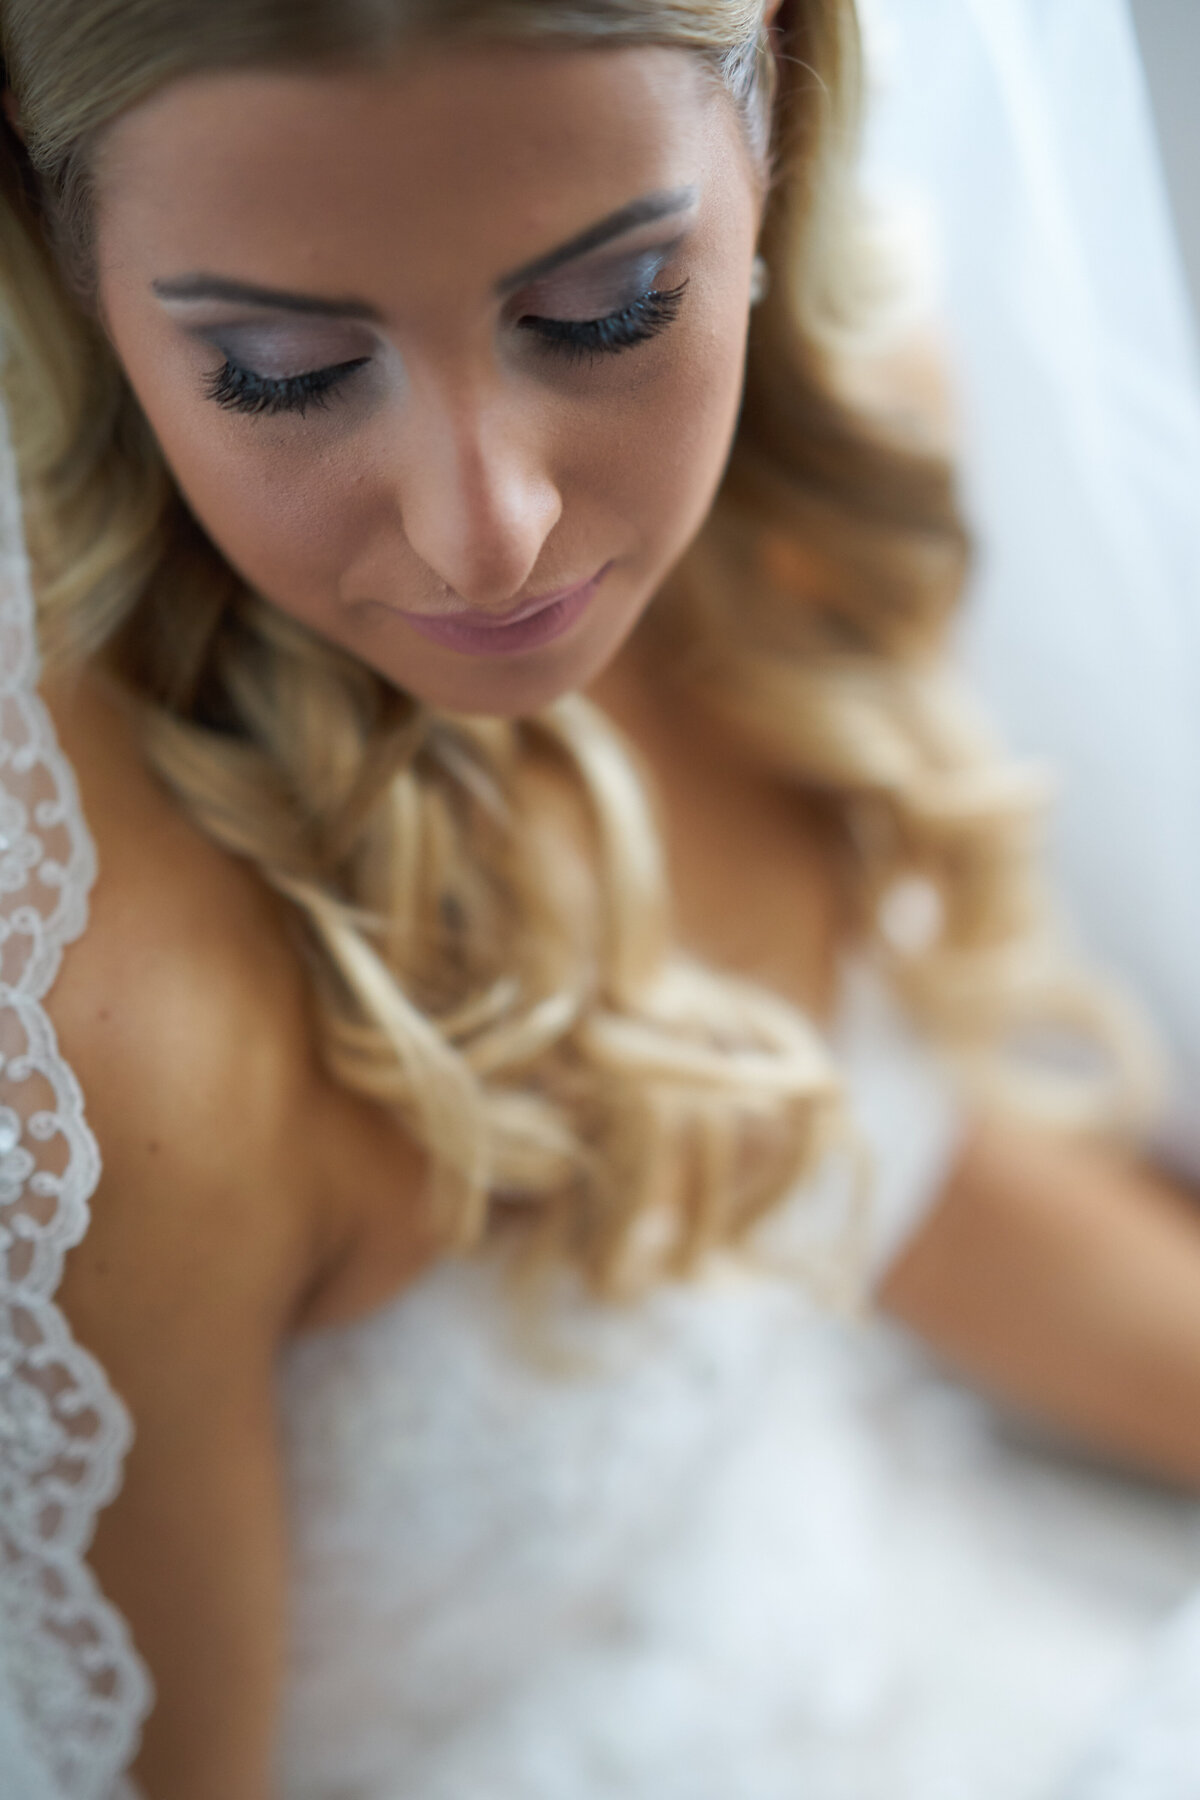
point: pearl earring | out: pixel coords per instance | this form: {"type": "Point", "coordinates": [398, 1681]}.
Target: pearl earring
{"type": "Point", "coordinates": [760, 280]}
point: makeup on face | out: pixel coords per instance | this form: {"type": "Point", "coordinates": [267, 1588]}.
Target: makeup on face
{"type": "Point", "coordinates": [575, 300]}
{"type": "Point", "coordinates": [446, 368]}
{"type": "Point", "coordinates": [525, 627]}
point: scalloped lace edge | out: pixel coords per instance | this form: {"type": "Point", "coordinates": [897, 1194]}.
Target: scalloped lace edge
{"type": "Point", "coordinates": [87, 1730]}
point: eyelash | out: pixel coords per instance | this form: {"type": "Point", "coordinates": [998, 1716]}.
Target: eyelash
{"type": "Point", "coordinates": [586, 339]}
{"type": "Point", "coordinates": [241, 390]}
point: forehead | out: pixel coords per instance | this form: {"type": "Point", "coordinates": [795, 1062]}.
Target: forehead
{"type": "Point", "coordinates": [471, 156]}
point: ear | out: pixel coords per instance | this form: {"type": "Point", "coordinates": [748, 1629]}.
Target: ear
{"type": "Point", "coordinates": [771, 23]}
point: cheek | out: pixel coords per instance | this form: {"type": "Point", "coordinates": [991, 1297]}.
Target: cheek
{"type": "Point", "coordinates": [673, 440]}
{"type": "Point", "coordinates": [284, 516]}
{"type": "Point", "coordinates": [279, 507]}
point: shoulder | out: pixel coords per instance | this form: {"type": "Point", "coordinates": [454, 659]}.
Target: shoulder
{"type": "Point", "coordinates": [186, 1012]}
{"type": "Point", "coordinates": [179, 931]}
{"type": "Point", "coordinates": [183, 1011]}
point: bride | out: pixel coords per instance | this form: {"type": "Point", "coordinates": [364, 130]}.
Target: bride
{"type": "Point", "coordinates": [548, 881]}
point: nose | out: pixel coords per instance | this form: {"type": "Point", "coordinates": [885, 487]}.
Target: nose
{"type": "Point", "coordinates": [477, 502]}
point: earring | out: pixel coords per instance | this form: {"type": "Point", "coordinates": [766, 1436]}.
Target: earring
{"type": "Point", "coordinates": [760, 280]}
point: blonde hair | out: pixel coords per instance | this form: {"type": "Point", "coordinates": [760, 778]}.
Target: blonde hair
{"type": "Point", "coordinates": [502, 975]}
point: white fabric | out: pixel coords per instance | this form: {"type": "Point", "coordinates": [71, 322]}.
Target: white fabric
{"type": "Point", "coordinates": [718, 1544]}
{"type": "Point", "coordinates": [1014, 141]}
{"type": "Point", "coordinates": [72, 1690]}
{"type": "Point", "coordinates": [1150, 1750]}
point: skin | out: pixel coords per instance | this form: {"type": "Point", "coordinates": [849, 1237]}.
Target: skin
{"type": "Point", "coordinates": [254, 1198]}
{"type": "Point", "coordinates": [470, 463]}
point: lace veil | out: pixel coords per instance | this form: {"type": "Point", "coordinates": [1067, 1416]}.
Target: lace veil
{"type": "Point", "coordinates": [72, 1689]}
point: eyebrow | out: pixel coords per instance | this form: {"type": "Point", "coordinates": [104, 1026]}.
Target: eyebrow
{"type": "Point", "coordinates": [249, 293]}
{"type": "Point", "coordinates": [645, 211]}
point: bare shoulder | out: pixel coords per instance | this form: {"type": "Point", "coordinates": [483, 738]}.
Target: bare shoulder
{"type": "Point", "coordinates": [182, 1008]}
{"type": "Point", "coordinates": [185, 1011]}
{"type": "Point", "coordinates": [172, 916]}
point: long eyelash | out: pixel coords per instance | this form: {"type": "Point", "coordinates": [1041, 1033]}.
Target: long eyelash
{"type": "Point", "coordinates": [241, 390]}
{"type": "Point", "coordinates": [587, 338]}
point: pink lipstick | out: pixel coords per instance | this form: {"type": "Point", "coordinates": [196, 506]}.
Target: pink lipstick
{"type": "Point", "coordinates": [537, 622]}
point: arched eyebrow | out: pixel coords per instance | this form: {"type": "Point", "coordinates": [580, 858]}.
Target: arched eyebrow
{"type": "Point", "coordinates": [645, 211]}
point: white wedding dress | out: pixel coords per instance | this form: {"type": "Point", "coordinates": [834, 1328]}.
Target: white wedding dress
{"type": "Point", "coordinates": [722, 1544]}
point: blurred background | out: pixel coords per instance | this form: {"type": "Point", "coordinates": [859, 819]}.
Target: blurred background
{"type": "Point", "coordinates": [1169, 35]}
{"type": "Point", "coordinates": [1038, 163]}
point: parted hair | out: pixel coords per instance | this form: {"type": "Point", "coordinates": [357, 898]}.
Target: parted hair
{"type": "Point", "coordinates": [513, 989]}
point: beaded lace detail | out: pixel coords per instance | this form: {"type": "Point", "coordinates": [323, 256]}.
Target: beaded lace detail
{"type": "Point", "coordinates": [67, 1664]}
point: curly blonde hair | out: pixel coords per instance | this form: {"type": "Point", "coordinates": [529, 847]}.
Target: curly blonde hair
{"type": "Point", "coordinates": [513, 989]}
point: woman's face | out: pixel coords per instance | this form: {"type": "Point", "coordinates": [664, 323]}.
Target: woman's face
{"type": "Point", "coordinates": [446, 357]}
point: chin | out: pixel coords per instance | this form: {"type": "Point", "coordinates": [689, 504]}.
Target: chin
{"type": "Point", "coordinates": [486, 698]}
{"type": "Point", "coordinates": [485, 690]}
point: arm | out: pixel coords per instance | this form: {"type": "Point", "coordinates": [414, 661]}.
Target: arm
{"type": "Point", "coordinates": [203, 1237]}
{"type": "Point", "coordinates": [192, 1551]}
{"type": "Point", "coordinates": [1064, 1278]}
{"type": "Point", "coordinates": [1067, 1280]}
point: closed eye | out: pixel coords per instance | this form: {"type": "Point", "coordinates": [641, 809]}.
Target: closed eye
{"type": "Point", "coordinates": [239, 389]}
{"type": "Point", "coordinates": [644, 318]}
{"type": "Point", "coordinates": [243, 390]}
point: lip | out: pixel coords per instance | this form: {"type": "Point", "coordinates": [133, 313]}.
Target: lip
{"type": "Point", "coordinates": [538, 622]}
